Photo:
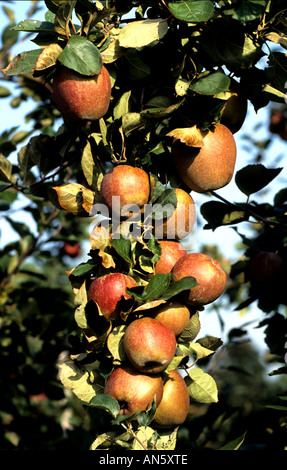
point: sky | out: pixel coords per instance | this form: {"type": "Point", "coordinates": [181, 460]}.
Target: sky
{"type": "Point", "coordinates": [256, 125]}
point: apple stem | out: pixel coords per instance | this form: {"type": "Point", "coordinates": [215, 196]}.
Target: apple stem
{"type": "Point", "coordinates": [131, 431]}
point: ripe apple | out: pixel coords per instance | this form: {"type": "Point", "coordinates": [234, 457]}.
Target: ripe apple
{"type": "Point", "coordinates": [179, 225]}
{"type": "Point", "coordinates": [209, 274]}
{"type": "Point", "coordinates": [210, 166]}
{"type": "Point", "coordinates": [107, 291]}
{"type": "Point", "coordinates": [173, 314]}
{"type": "Point", "coordinates": [264, 268]}
{"type": "Point", "coordinates": [149, 345]}
{"type": "Point", "coordinates": [133, 390]}
{"type": "Point", "coordinates": [71, 249]}
{"type": "Point", "coordinates": [171, 251]}
{"type": "Point", "coordinates": [131, 184]}
{"type": "Point", "coordinates": [81, 97]}
{"type": "Point", "coordinates": [174, 406]}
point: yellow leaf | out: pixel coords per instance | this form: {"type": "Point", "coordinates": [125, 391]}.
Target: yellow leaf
{"type": "Point", "coordinates": [48, 57]}
{"type": "Point", "coordinates": [190, 136]}
{"type": "Point", "coordinates": [74, 198]}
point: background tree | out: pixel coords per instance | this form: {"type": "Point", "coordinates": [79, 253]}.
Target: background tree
{"type": "Point", "coordinates": [175, 67]}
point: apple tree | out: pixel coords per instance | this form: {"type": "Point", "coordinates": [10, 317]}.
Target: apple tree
{"type": "Point", "coordinates": [173, 81]}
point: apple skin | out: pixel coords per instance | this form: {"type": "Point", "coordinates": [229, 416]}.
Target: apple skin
{"type": "Point", "coordinates": [149, 345]}
{"type": "Point", "coordinates": [171, 251]}
{"type": "Point", "coordinates": [133, 390]}
{"type": "Point", "coordinates": [209, 167]}
{"type": "Point", "coordinates": [107, 292]}
{"type": "Point", "coordinates": [182, 220]}
{"type": "Point", "coordinates": [174, 406]}
{"type": "Point", "coordinates": [209, 274]}
{"type": "Point", "coordinates": [173, 314]}
{"type": "Point", "coordinates": [130, 183]}
{"type": "Point", "coordinates": [80, 97]}
{"type": "Point", "coordinates": [264, 268]}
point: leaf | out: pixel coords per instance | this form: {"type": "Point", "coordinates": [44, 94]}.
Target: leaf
{"type": "Point", "coordinates": [201, 386]}
{"type": "Point", "coordinates": [77, 380]}
{"type": "Point", "coordinates": [81, 55]}
{"type": "Point", "coordinates": [23, 63]}
{"type": "Point", "coordinates": [132, 121]}
{"type": "Point", "coordinates": [156, 287]}
{"type": "Point", "coordinates": [4, 92]}
{"type": "Point", "coordinates": [253, 178]}
{"type": "Point", "coordinates": [177, 287]}
{"type": "Point", "coordinates": [218, 213]}
{"type": "Point", "coordinates": [34, 26]}
{"type": "Point", "coordinates": [141, 33]}
{"type": "Point", "coordinates": [122, 106]}
{"type": "Point", "coordinates": [107, 403]}
{"type": "Point", "coordinates": [192, 329]}
{"type": "Point", "coordinates": [80, 302]}
{"type": "Point", "coordinates": [74, 197]}
{"type": "Point", "coordinates": [211, 83]}
{"type": "Point", "coordinates": [48, 57]}
{"type": "Point", "coordinates": [164, 205]}
{"type": "Point", "coordinates": [192, 11]}
{"type": "Point", "coordinates": [5, 170]}
{"type": "Point", "coordinates": [115, 343]}
{"type": "Point", "coordinates": [249, 10]}
{"type": "Point", "coordinates": [188, 135]}
{"type": "Point", "coordinates": [235, 444]}
{"type": "Point", "coordinates": [122, 246]}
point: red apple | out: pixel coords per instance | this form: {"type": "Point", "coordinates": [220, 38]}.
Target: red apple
{"type": "Point", "coordinates": [133, 390]}
{"type": "Point", "coordinates": [107, 291]}
{"type": "Point", "coordinates": [173, 314]}
{"type": "Point", "coordinates": [264, 268]}
{"type": "Point", "coordinates": [71, 249]}
{"type": "Point", "coordinates": [179, 225]}
{"type": "Point", "coordinates": [208, 273]}
{"type": "Point", "coordinates": [174, 406]}
{"type": "Point", "coordinates": [130, 184]}
{"type": "Point", "coordinates": [209, 167]}
{"type": "Point", "coordinates": [149, 345]}
{"type": "Point", "coordinates": [171, 251]}
{"type": "Point", "coordinates": [81, 97]}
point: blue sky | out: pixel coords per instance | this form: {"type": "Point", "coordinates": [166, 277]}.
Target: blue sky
{"type": "Point", "coordinates": [255, 125]}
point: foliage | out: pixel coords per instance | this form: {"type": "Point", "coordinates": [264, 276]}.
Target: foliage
{"type": "Point", "coordinates": [171, 65]}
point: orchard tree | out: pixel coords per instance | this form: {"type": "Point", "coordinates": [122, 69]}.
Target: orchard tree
{"type": "Point", "coordinates": [137, 109]}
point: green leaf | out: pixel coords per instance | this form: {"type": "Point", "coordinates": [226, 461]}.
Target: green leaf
{"type": "Point", "coordinates": [235, 444]}
{"type": "Point", "coordinates": [201, 386]}
{"type": "Point", "coordinates": [211, 84]}
{"type": "Point", "coordinates": [81, 55]}
{"type": "Point", "coordinates": [218, 213]}
{"type": "Point", "coordinates": [164, 205]}
{"type": "Point", "coordinates": [107, 403]}
{"type": "Point", "coordinates": [122, 106]}
{"type": "Point", "coordinates": [141, 33]}
{"type": "Point", "coordinates": [5, 170]}
{"type": "Point", "coordinates": [253, 178]}
{"type": "Point", "coordinates": [34, 26]}
{"type": "Point", "coordinates": [249, 10]}
{"type": "Point", "coordinates": [177, 287]}
{"type": "Point", "coordinates": [122, 246]}
{"type": "Point", "coordinates": [4, 92]}
{"type": "Point", "coordinates": [156, 286]}
{"type": "Point", "coordinates": [192, 11]}
{"type": "Point", "coordinates": [23, 63]}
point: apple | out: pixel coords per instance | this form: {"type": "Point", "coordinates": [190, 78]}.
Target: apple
{"type": "Point", "coordinates": [174, 406]}
{"type": "Point", "coordinates": [81, 97]}
{"type": "Point", "coordinates": [107, 291]}
{"type": "Point", "coordinates": [171, 251]}
{"type": "Point", "coordinates": [208, 167]}
{"type": "Point", "coordinates": [149, 345]}
{"type": "Point", "coordinates": [133, 390]}
{"type": "Point", "coordinates": [264, 268]}
{"type": "Point", "coordinates": [180, 223]}
{"type": "Point", "coordinates": [131, 184]}
{"type": "Point", "coordinates": [209, 274]}
{"type": "Point", "coordinates": [71, 249]}
{"type": "Point", "coordinates": [173, 314]}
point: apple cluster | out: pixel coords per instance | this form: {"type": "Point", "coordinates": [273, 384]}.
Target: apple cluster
{"type": "Point", "coordinates": [150, 338]}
